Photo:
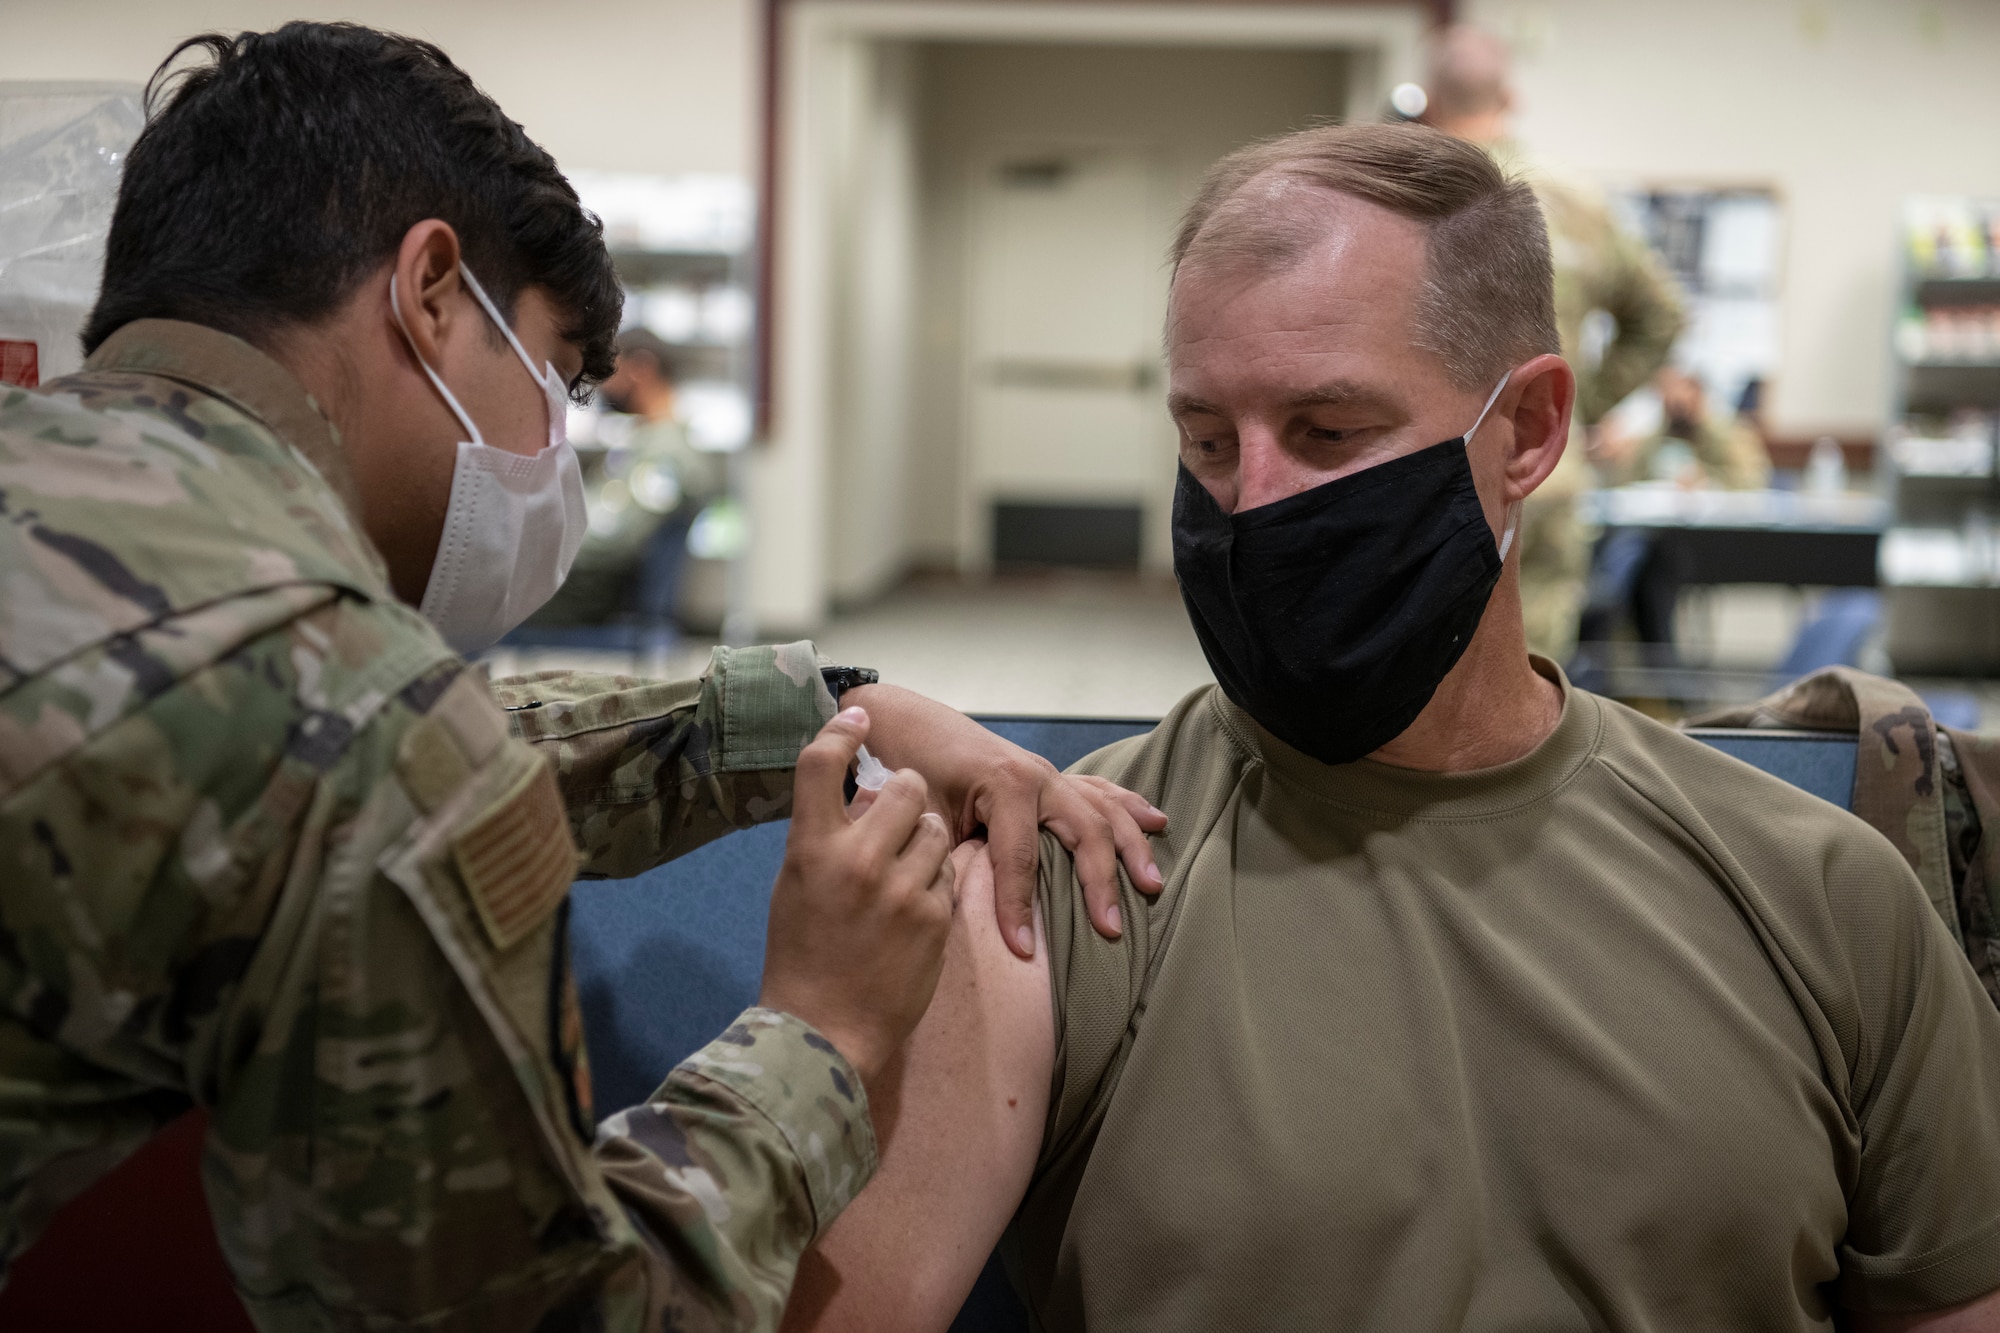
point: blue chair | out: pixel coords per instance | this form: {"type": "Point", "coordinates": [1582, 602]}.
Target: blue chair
{"type": "Point", "coordinates": [1841, 625]}
{"type": "Point", "coordinates": [664, 960]}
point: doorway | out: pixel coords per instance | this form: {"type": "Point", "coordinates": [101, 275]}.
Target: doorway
{"type": "Point", "coordinates": [1052, 176]}
{"type": "Point", "coordinates": [975, 205]}
{"type": "Point", "coordinates": [1063, 437]}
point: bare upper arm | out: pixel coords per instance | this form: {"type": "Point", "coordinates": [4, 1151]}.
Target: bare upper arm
{"type": "Point", "coordinates": [960, 1123]}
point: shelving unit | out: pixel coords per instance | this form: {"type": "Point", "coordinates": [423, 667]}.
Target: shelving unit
{"type": "Point", "coordinates": [1940, 563]}
{"type": "Point", "coordinates": [683, 250]}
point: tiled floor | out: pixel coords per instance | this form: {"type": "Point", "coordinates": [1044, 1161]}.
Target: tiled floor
{"type": "Point", "coordinates": [1091, 645]}
{"type": "Point", "coordinates": [1072, 644]}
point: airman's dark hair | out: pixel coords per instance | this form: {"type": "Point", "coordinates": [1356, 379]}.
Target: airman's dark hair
{"type": "Point", "coordinates": [276, 175]}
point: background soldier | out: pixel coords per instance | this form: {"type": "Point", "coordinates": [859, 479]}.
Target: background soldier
{"type": "Point", "coordinates": [644, 494]}
{"type": "Point", "coordinates": [1598, 267]}
{"type": "Point", "coordinates": [268, 847]}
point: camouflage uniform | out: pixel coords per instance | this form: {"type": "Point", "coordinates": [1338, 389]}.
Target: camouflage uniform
{"type": "Point", "coordinates": [625, 519]}
{"type": "Point", "coordinates": [268, 847]}
{"type": "Point", "coordinates": [1598, 266]}
{"type": "Point", "coordinates": [1933, 791]}
{"type": "Point", "coordinates": [1729, 453]}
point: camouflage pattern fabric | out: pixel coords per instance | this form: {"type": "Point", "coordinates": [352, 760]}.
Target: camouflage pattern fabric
{"type": "Point", "coordinates": [625, 488]}
{"type": "Point", "coordinates": [1730, 453]}
{"type": "Point", "coordinates": [267, 846]}
{"type": "Point", "coordinates": [1598, 266]}
{"type": "Point", "coordinates": [1933, 791]}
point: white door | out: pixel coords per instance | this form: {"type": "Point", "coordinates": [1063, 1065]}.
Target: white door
{"type": "Point", "coordinates": [1066, 295]}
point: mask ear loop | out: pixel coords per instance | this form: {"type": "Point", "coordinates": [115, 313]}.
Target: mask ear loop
{"type": "Point", "coordinates": [396, 310]}
{"type": "Point", "coordinates": [1513, 510]}
{"type": "Point", "coordinates": [1498, 389]}
{"type": "Point", "coordinates": [540, 377]}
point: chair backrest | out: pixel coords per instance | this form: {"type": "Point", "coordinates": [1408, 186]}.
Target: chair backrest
{"type": "Point", "coordinates": [663, 962]}
{"type": "Point", "coordinates": [1821, 762]}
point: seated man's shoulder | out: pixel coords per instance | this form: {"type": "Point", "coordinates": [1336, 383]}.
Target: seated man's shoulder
{"type": "Point", "coordinates": [1172, 763]}
{"type": "Point", "coordinates": [1761, 829]}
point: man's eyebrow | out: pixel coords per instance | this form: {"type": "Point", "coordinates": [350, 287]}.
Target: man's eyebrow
{"type": "Point", "coordinates": [1186, 404]}
{"type": "Point", "coordinates": [1345, 393]}
{"type": "Point", "coordinates": [1335, 393]}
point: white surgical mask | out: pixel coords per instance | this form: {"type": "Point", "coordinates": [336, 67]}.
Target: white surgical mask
{"type": "Point", "coordinates": [514, 522]}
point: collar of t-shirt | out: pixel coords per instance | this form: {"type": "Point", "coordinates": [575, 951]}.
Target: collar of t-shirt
{"type": "Point", "coordinates": [1367, 785]}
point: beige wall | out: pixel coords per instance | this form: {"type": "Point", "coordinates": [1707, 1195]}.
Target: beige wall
{"type": "Point", "coordinates": [1845, 105]}
{"type": "Point", "coordinates": [636, 85]}
{"type": "Point", "coordinates": [1190, 106]}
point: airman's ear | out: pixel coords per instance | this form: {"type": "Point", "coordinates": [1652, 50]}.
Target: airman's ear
{"type": "Point", "coordinates": [426, 271]}
{"type": "Point", "coordinates": [1539, 402]}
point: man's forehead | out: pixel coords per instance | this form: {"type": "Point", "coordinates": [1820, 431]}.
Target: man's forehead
{"type": "Point", "coordinates": [1361, 268]}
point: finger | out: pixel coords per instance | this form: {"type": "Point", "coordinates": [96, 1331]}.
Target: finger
{"type": "Point", "coordinates": [1070, 815]}
{"type": "Point", "coordinates": [1147, 815]}
{"type": "Point", "coordinates": [1134, 848]}
{"type": "Point", "coordinates": [922, 860]}
{"type": "Point", "coordinates": [929, 846]}
{"type": "Point", "coordinates": [1131, 818]}
{"type": "Point", "coordinates": [863, 798]}
{"type": "Point", "coordinates": [946, 881]}
{"type": "Point", "coordinates": [1015, 843]}
{"type": "Point", "coordinates": [967, 853]}
{"type": "Point", "coordinates": [890, 819]}
{"type": "Point", "coordinates": [819, 795]}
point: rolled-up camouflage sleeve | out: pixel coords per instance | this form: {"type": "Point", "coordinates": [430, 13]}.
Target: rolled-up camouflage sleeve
{"type": "Point", "coordinates": [1641, 296]}
{"type": "Point", "coordinates": [650, 770]}
{"type": "Point", "coordinates": [738, 1162]}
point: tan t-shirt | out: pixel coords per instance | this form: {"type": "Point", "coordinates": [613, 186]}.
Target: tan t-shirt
{"type": "Point", "coordinates": [1624, 1034]}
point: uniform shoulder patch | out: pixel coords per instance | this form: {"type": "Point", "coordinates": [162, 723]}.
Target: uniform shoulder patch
{"type": "Point", "coordinates": [517, 858]}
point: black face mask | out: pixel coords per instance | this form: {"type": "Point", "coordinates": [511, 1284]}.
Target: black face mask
{"type": "Point", "coordinates": [1332, 615]}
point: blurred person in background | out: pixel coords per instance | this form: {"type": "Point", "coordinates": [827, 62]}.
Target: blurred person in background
{"type": "Point", "coordinates": [1635, 581]}
{"type": "Point", "coordinates": [643, 494]}
{"type": "Point", "coordinates": [1694, 447]}
{"type": "Point", "coordinates": [1599, 267]}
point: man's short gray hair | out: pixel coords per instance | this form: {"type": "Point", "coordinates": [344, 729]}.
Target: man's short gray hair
{"type": "Point", "coordinates": [1488, 296]}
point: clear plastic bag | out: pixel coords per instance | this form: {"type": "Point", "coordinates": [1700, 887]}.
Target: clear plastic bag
{"type": "Point", "coordinates": [62, 146]}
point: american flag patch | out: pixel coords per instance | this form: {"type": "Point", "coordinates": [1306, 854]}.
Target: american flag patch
{"type": "Point", "coordinates": [517, 858]}
{"type": "Point", "coordinates": [20, 363]}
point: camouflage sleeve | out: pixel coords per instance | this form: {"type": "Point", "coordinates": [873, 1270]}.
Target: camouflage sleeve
{"type": "Point", "coordinates": [737, 1163]}
{"type": "Point", "coordinates": [650, 770]}
{"type": "Point", "coordinates": [1639, 294]}
{"type": "Point", "coordinates": [329, 904]}
{"type": "Point", "coordinates": [1732, 454]}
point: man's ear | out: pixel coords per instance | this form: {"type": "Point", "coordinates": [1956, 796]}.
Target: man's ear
{"type": "Point", "coordinates": [426, 269]}
{"type": "Point", "coordinates": [1542, 395]}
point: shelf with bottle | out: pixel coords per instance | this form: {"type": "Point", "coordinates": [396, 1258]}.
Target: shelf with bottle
{"type": "Point", "coordinates": [1952, 237]}
{"type": "Point", "coordinates": [1961, 445]}
{"type": "Point", "coordinates": [1967, 556]}
{"type": "Point", "coordinates": [1939, 560]}
{"type": "Point", "coordinates": [1949, 335]}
